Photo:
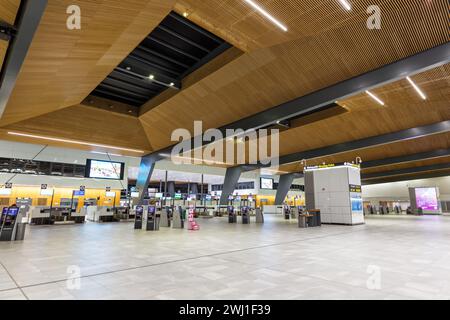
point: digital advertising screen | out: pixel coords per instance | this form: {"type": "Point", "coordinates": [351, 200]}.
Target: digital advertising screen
{"type": "Point", "coordinates": [135, 194]}
{"type": "Point", "coordinates": [426, 198]}
{"type": "Point", "coordinates": [178, 196]}
{"type": "Point", "coordinates": [104, 169]}
{"type": "Point", "coordinates": [267, 183]}
{"type": "Point", "coordinates": [357, 204]}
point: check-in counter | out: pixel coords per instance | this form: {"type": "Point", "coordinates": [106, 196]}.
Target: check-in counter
{"type": "Point", "coordinates": [100, 214]}
{"type": "Point", "coordinates": [79, 217]}
{"type": "Point", "coordinates": [272, 209]}
{"type": "Point", "coordinates": [39, 215]}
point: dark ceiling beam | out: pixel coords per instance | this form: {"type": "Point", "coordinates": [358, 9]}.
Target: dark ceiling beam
{"type": "Point", "coordinates": [412, 133]}
{"type": "Point", "coordinates": [151, 64]}
{"type": "Point", "coordinates": [177, 84]}
{"type": "Point", "coordinates": [173, 48]}
{"type": "Point", "coordinates": [406, 171]}
{"type": "Point", "coordinates": [404, 159]}
{"type": "Point", "coordinates": [183, 38]}
{"type": "Point", "coordinates": [194, 27]}
{"type": "Point", "coordinates": [29, 17]}
{"type": "Point", "coordinates": [417, 63]}
{"type": "Point", "coordinates": [159, 55]}
{"type": "Point", "coordinates": [426, 175]}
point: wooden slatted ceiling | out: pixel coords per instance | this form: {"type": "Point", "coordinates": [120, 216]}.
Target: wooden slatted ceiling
{"type": "Point", "coordinates": [84, 123]}
{"type": "Point", "coordinates": [404, 109]}
{"type": "Point", "coordinates": [63, 66]}
{"type": "Point", "coordinates": [424, 144]}
{"type": "Point", "coordinates": [270, 76]}
{"type": "Point", "coordinates": [8, 10]}
{"type": "Point", "coordinates": [441, 160]}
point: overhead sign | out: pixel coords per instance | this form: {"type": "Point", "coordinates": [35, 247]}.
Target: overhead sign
{"type": "Point", "coordinates": [82, 188]}
{"type": "Point", "coordinates": [108, 189]}
{"type": "Point", "coordinates": [8, 185]}
{"type": "Point", "coordinates": [355, 188]}
{"type": "Point", "coordinates": [44, 186]}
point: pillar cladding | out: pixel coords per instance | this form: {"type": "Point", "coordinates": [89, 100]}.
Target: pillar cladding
{"type": "Point", "coordinates": [171, 188]}
{"type": "Point", "coordinates": [336, 192]}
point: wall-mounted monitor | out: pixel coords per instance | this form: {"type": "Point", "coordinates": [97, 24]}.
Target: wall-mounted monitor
{"type": "Point", "coordinates": [135, 194]}
{"type": "Point", "coordinates": [101, 169]}
{"type": "Point", "coordinates": [266, 183]}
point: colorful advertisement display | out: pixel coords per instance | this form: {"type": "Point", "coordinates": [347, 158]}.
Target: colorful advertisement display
{"type": "Point", "coordinates": [426, 198]}
{"type": "Point", "coordinates": [104, 169]}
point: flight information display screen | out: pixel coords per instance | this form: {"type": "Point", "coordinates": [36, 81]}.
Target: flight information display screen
{"type": "Point", "coordinates": [104, 169]}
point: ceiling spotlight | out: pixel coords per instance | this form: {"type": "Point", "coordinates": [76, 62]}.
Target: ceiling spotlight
{"type": "Point", "coordinates": [172, 84]}
{"type": "Point", "coordinates": [374, 97]}
{"type": "Point", "coordinates": [421, 94]}
{"type": "Point", "coordinates": [267, 15]}
{"type": "Point", "coordinates": [128, 68]}
{"type": "Point", "coordinates": [151, 76]}
{"type": "Point", "coordinates": [185, 14]}
{"type": "Point", "coordinates": [346, 5]}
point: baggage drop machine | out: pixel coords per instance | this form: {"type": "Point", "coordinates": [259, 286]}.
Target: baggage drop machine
{"type": "Point", "coordinates": [232, 218]}
{"type": "Point", "coordinates": [245, 213]}
{"type": "Point", "coordinates": [259, 215]}
{"type": "Point", "coordinates": [178, 219]}
{"type": "Point", "coordinates": [152, 219]}
{"type": "Point", "coordinates": [139, 217]}
{"type": "Point", "coordinates": [165, 217]}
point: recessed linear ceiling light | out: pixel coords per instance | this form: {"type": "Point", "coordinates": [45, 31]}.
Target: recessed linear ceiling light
{"type": "Point", "coordinates": [420, 92]}
{"type": "Point", "coordinates": [73, 142]}
{"type": "Point", "coordinates": [374, 97]}
{"type": "Point", "coordinates": [346, 5]}
{"type": "Point", "coordinates": [267, 15]}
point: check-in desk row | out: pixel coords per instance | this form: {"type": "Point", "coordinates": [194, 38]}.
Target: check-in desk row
{"type": "Point", "coordinates": [47, 215]}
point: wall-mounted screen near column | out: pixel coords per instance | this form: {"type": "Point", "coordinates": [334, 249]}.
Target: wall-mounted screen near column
{"type": "Point", "coordinates": [267, 183]}
{"type": "Point", "coordinates": [104, 169]}
{"type": "Point", "coordinates": [427, 199]}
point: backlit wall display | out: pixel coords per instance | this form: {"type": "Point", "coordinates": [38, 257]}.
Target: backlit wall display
{"type": "Point", "coordinates": [46, 192]}
{"type": "Point", "coordinates": [104, 169]}
{"type": "Point", "coordinates": [267, 183]}
{"type": "Point", "coordinates": [426, 198]}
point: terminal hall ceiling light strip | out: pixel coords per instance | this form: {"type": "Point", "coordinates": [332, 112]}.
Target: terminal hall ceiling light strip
{"type": "Point", "coordinates": [346, 5]}
{"type": "Point", "coordinates": [420, 92]}
{"type": "Point", "coordinates": [73, 142]}
{"type": "Point", "coordinates": [267, 15]}
{"type": "Point", "coordinates": [374, 97]}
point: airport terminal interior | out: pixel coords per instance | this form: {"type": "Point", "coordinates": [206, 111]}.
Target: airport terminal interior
{"type": "Point", "coordinates": [224, 149]}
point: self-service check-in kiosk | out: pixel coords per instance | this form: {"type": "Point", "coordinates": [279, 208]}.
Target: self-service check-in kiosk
{"type": "Point", "coordinates": [245, 212]}
{"type": "Point", "coordinates": [178, 221]}
{"type": "Point", "coordinates": [152, 219]}
{"type": "Point", "coordinates": [138, 218]}
{"type": "Point", "coordinates": [259, 215]}
{"type": "Point", "coordinates": [11, 226]}
{"type": "Point", "coordinates": [287, 212]}
{"type": "Point", "coordinates": [231, 215]}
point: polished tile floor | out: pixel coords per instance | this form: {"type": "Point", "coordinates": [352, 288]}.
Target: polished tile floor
{"type": "Point", "coordinates": [388, 258]}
